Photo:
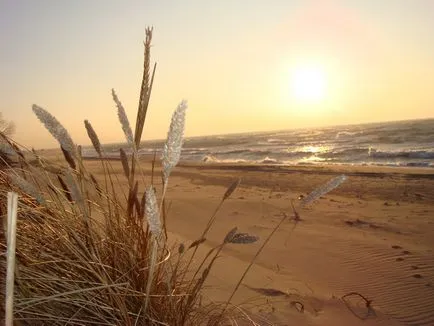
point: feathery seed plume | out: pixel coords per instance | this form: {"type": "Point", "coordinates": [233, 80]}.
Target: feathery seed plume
{"type": "Point", "coordinates": [230, 235]}
{"type": "Point", "coordinates": [172, 147]}
{"type": "Point", "coordinates": [55, 128]}
{"type": "Point", "coordinates": [75, 192]}
{"type": "Point", "coordinates": [197, 242]}
{"type": "Point", "coordinates": [93, 136]}
{"type": "Point", "coordinates": [123, 119]}
{"type": "Point", "coordinates": [80, 152]}
{"type": "Point", "coordinates": [152, 213]}
{"type": "Point", "coordinates": [154, 223]}
{"type": "Point", "coordinates": [6, 148]}
{"type": "Point", "coordinates": [26, 187]}
{"type": "Point", "coordinates": [243, 238]}
{"type": "Point", "coordinates": [322, 190]}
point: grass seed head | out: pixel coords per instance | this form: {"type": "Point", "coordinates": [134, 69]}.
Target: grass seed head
{"type": "Point", "coordinates": [152, 212]}
{"type": "Point", "coordinates": [122, 115]}
{"type": "Point", "coordinates": [322, 190]}
{"type": "Point", "coordinates": [172, 148]}
{"type": "Point", "coordinates": [55, 128]}
{"type": "Point", "coordinates": [93, 136]}
{"type": "Point", "coordinates": [244, 238]}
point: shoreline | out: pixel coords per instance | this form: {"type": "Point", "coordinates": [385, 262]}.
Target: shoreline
{"type": "Point", "coordinates": [315, 168]}
{"type": "Point", "coordinates": [360, 168]}
{"type": "Point", "coordinates": [319, 168]}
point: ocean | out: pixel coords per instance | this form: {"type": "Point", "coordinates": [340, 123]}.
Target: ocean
{"type": "Point", "coordinates": [403, 143]}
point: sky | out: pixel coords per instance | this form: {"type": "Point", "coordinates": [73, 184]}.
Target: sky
{"type": "Point", "coordinates": [242, 65]}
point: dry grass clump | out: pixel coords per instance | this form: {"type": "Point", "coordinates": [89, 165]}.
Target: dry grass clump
{"type": "Point", "coordinates": [86, 257]}
{"type": "Point", "coordinates": [90, 254]}
{"type": "Point", "coordinates": [87, 253]}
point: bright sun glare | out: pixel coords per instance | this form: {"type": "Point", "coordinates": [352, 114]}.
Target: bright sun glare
{"type": "Point", "coordinates": [308, 84]}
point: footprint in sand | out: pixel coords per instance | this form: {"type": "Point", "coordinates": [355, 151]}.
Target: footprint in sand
{"type": "Point", "coordinates": [399, 259]}
{"type": "Point", "coordinates": [406, 252]}
{"type": "Point", "coordinates": [417, 276]}
{"type": "Point", "coordinates": [414, 267]}
{"type": "Point", "coordinates": [396, 247]}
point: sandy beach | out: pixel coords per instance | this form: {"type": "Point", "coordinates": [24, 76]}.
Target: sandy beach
{"type": "Point", "coordinates": [374, 235]}
{"type": "Point", "coordinates": [248, 108]}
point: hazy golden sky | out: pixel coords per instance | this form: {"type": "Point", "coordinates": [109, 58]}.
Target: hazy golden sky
{"type": "Point", "coordinates": [235, 62]}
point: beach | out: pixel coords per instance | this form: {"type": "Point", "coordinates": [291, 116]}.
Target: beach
{"type": "Point", "coordinates": [269, 164]}
{"type": "Point", "coordinates": [373, 236]}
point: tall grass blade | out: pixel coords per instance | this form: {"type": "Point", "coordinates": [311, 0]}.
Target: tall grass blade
{"type": "Point", "coordinates": [145, 89]}
{"type": "Point", "coordinates": [252, 261]}
{"type": "Point", "coordinates": [132, 196]}
{"type": "Point", "coordinates": [76, 194]}
{"type": "Point", "coordinates": [11, 247]}
{"type": "Point", "coordinates": [124, 161]}
{"type": "Point", "coordinates": [68, 158]}
{"type": "Point", "coordinates": [96, 184]}
{"type": "Point", "coordinates": [143, 205]}
{"type": "Point", "coordinates": [137, 206]}
{"type": "Point", "coordinates": [231, 189]}
{"type": "Point", "coordinates": [154, 223]}
{"type": "Point", "coordinates": [65, 189]}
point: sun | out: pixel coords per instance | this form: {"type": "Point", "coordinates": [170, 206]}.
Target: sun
{"type": "Point", "coordinates": [308, 84]}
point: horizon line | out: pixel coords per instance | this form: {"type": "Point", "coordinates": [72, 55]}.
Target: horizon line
{"type": "Point", "coordinates": [256, 132]}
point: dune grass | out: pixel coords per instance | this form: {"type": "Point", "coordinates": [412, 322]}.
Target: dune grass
{"type": "Point", "coordinates": [92, 254]}
{"type": "Point", "coordinates": [88, 253]}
